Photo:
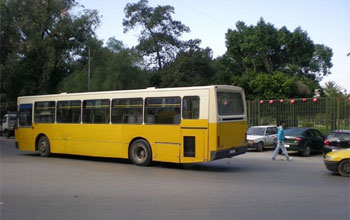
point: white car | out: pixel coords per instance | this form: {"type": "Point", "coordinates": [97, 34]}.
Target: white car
{"type": "Point", "coordinates": [259, 137]}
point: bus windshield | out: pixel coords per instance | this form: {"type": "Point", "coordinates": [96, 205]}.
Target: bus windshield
{"type": "Point", "coordinates": [230, 103]}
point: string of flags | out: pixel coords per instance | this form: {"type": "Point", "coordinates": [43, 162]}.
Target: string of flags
{"type": "Point", "coordinates": [292, 101]}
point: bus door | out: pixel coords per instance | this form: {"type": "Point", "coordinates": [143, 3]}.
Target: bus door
{"type": "Point", "coordinates": [194, 131]}
{"type": "Point", "coordinates": [24, 131]}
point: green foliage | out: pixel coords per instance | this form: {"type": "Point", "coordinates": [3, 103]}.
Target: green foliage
{"type": "Point", "coordinates": [159, 37]}
{"type": "Point", "coordinates": [37, 57]}
{"type": "Point", "coordinates": [190, 68]}
{"type": "Point", "coordinates": [112, 68]}
{"type": "Point", "coordinates": [262, 55]}
{"type": "Point", "coordinates": [271, 86]}
{"type": "Point", "coordinates": [332, 89]}
{"type": "Point", "coordinates": [34, 44]}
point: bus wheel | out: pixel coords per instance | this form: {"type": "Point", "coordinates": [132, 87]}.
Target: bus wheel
{"type": "Point", "coordinates": [140, 153]}
{"type": "Point", "coordinates": [44, 146]}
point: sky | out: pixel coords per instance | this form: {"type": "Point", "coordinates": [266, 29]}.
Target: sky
{"type": "Point", "coordinates": [326, 22]}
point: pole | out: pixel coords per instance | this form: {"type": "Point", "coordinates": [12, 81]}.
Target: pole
{"type": "Point", "coordinates": [89, 74]}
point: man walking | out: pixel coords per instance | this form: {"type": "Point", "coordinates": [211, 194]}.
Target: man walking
{"type": "Point", "coordinates": [280, 142]}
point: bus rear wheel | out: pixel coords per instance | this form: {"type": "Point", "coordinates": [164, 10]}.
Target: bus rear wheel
{"type": "Point", "coordinates": [140, 153]}
{"type": "Point", "coordinates": [44, 146]}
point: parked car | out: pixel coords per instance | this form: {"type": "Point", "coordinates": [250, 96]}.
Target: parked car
{"type": "Point", "coordinates": [8, 124]}
{"type": "Point", "coordinates": [337, 140]}
{"type": "Point", "coordinates": [338, 161]}
{"type": "Point", "coordinates": [260, 137]}
{"type": "Point", "coordinates": [303, 140]}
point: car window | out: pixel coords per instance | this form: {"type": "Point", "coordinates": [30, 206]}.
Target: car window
{"type": "Point", "coordinates": [12, 119]}
{"type": "Point", "coordinates": [331, 135]}
{"type": "Point", "coordinates": [293, 132]}
{"type": "Point", "coordinates": [271, 131]}
{"type": "Point", "coordinates": [317, 134]}
{"type": "Point", "coordinates": [339, 135]}
{"type": "Point", "coordinates": [268, 131]}
{"type": "Point", "coordinates": [345, 136]}
{"type": "Point", "coordinates": [308, 133]}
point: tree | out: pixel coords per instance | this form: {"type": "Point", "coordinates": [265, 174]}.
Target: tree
{"type": "Point", "coordinates": [264, 49]}
{"type": "Point", "coordinates": [159, 37]}
{"type": "Point", "coordinates": [190, 68]}
{"type": "Point", "coordinates": [332, 89]}
{"type": "Point", "coordinates": [269, 87]}
{"type": "Point", "coordinates": [35, 50]}
{"type": "Point", "coordinates": [114, 67]}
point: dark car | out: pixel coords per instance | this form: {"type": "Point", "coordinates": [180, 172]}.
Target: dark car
{"type": "Point", "coordinates": [337, 140]}
{"type": "Point", "coordinates": [303, 140]}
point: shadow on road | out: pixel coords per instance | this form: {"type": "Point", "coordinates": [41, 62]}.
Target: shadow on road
{"type": "Point", "coordinates": [84, 158]}
{"type": "Point", "coordinates": [215, 166]}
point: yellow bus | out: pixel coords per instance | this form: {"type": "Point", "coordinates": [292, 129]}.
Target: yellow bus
{"type": "Point", "coordinates": [178, 125]}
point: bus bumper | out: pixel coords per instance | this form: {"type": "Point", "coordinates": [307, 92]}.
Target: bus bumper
{"type": "Point", "coordinates": [234, 151]}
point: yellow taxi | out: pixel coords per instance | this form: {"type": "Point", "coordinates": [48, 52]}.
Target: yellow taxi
{"type": "Point", "coordinates": [338, 161]}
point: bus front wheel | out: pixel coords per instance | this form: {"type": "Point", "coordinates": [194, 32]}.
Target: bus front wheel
{"type": "Point", "coordinates": [44, 146]}
{"type": "Point", "coordinates": [140, 153]}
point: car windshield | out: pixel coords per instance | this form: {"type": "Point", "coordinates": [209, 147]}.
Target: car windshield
{"type": "Point", "coordinates": [12, 119]}
{"type": "Point", "coordinates": [256, 131]}
{"type": "Point", "coordinates": [294, 132]}
{"type": "Point", "coordinates": [339, 135]}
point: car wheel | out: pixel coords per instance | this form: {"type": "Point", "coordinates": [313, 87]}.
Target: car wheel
{"type": "Point", "coordinates": [44, 146]}
{"type": "Point", "coordinates": [306, 151]}
{"type": "Point", "coordinates": [260, 146]}
{"type": "Point", "coordinates": [140, 153]}
{"type": "Point", "coordinates": [344, 167]}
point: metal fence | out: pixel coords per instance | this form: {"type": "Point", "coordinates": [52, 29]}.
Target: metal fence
{"type": "Point", "coordinates": [324, 114]}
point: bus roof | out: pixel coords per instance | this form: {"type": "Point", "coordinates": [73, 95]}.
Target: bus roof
{"type": "Point", "coordinates": [223, 87]}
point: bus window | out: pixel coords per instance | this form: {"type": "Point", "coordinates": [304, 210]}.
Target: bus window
{"type": "Point", "coordinates": [44, 112]}
{"type": "Point", "coordinates": [163, 110]}
{"type": "Point", "coordinates": [96, 111]}
{"type": "Point", "coordinates": [190, 107]}
{"type": "Point", "coordinates": [128, 111]}
{"type": "Point", "coordinates": [68, 111]}
{"type": "Point", "coordinates": [25, 115]}
{"type": "Point", "coordinates": [230, 103]}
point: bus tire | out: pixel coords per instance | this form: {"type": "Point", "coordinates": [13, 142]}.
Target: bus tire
{"type": "Point", "coordinates": [140, 153]}
{"type": "Point", "coordinates": [44, 146]}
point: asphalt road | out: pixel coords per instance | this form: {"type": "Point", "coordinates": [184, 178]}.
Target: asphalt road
{"type": "Point", "coordinates": [250, 186]}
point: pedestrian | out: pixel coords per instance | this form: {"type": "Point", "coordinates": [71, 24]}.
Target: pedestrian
{"type": "Point", "coordinates": [280, 142]}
